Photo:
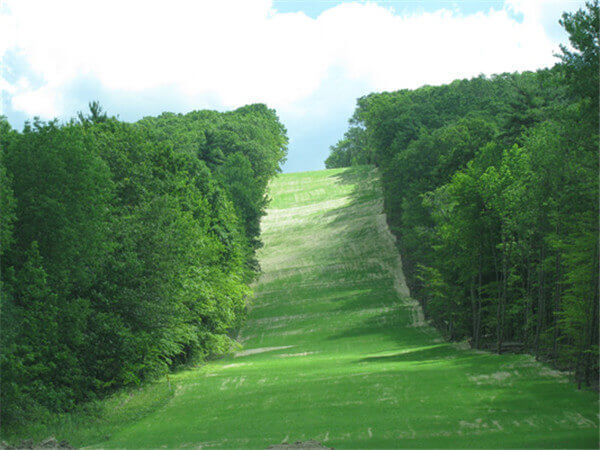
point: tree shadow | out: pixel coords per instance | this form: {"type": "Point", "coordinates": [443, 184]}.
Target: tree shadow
{"type": "Point", "coordinates": [426, 353]}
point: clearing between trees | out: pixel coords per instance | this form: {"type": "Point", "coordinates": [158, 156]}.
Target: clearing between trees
{"type": "Point", "coordinates": [335, 350]}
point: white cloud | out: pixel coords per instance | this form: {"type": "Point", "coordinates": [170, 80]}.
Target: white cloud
{"type": "Point", "coordinates": [43, 102]}
{"type": "Point", "coordinates": [244, 51]}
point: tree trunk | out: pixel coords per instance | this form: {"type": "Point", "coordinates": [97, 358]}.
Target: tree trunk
{"type": "Point", "coordinates": [478, 318]}
{"type": "Point", "coordinates": [473, 310]}
{"type": "Point", "coordinates": [502, 301]}
{"type": "Point", "coordinates": [556, 306]}
{"type": "Point", "coordinates": [529, 306]}
{"type": "Point", "coordinates": [540, 305]}
{"type": "Point", "coordinates": [592, 357]}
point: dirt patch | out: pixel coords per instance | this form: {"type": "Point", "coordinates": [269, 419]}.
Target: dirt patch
{"type": "Point", "coordinates": [50, 442]}
{"type": "Point", "coordinates": [310, 444]}
{"type": "Point", "coordinates": [254, 351]}
{"type": "Point", "coordinates": [278, 319]}
{"type": "Point", "coordinates": [229, 366]}
{"type": "Point", "coordinates": [417, 318]}
{"type": "Point", "coordinates": [493, 378]}
{"type": "Point", "coordinates": [552, 373]}
{"type": "Point", "coordinates": [291, 355]}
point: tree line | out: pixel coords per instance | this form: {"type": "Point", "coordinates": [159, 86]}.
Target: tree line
{"type": "Point", "coordinates": [126, 249]}
{"type": "Point", "coordinates": [491, 186]}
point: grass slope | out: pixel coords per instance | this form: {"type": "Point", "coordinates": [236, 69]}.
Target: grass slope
{"type": "Point", "coordinates": [334, 351]}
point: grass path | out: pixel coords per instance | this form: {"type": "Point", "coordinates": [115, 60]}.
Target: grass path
{"type": "Point", "coordinates": [334, 350]}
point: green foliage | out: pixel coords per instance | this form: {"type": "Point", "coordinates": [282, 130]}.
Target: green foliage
{"type": "Point", "coordinates": [128, 249]}
{"type": "Point", "coordinates": [491, 186]}
{"type": "Point", "coordinates": [352, 150]}
{"type": "Point", "coordinates": [581, 64]}
{"type": "Point", "coordinates": [331, 344]}
{"type": "Point", "coordinates": [7, 200]}
{"type": "Point", "coordinates": [251, 136]}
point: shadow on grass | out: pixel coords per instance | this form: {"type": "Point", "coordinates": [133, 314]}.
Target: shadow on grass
{"type": "Point", "coordinates": [374, 293]}
{"type": "Point", "coordinates": [390, 324]}
{"type": "Point", "coordinates": [427, 353]}
{"type": "Point", "coordinates": [361, 178]}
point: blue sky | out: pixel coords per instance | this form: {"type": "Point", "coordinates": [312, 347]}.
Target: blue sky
{"type": "Point", "coordinates": [309, 60]}
{"type": "Point", "coordinates": [314, 8]}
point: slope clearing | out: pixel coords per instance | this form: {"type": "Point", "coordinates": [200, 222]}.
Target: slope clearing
{"type": "Point", "coordinates": [335, 350]}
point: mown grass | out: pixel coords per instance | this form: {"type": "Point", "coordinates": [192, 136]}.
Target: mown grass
{"type": "Point", "coordinates": [331, 352]}
{"type": "Point", "coordinates": [95, 421]}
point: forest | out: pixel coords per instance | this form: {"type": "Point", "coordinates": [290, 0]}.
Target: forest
{"type": "Point", "coordinates": [140, 309]}
{"type": "Point", "coordinates": [127, 249]}
{"type": "Point", "coordinates": [491, 187]}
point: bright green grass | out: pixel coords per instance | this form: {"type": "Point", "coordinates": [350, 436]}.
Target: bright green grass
{"type": "Point", "coordinates": [354, 372]}
{"type": "Point", "coordinates": [97, 421]}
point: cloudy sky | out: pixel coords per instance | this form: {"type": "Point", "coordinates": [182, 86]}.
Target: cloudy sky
{"type": "Point", "coordinates": [308, 60]}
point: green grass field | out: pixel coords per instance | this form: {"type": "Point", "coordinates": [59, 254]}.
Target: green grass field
{"type": "Point", "coordinates": [334, 350]}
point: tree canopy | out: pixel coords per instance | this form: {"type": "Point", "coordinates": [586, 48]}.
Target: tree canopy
{"type": "Point", "coordinates": [127, 249]}
{"type": "Point", "coordinates": [491, 185]}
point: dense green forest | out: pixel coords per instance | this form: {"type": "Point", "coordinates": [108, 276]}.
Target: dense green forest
{"type": "Point", "coordinates": [491, 186]}
{"type": "Point", "coordinates": [127, 249]}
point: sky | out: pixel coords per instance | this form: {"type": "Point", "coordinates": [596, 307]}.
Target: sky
{"type": "Point", "coordinates": [309, 60]}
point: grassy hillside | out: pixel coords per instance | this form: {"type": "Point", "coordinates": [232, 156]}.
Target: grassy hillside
{"type": "Point", "coordinates": [335, 351]}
